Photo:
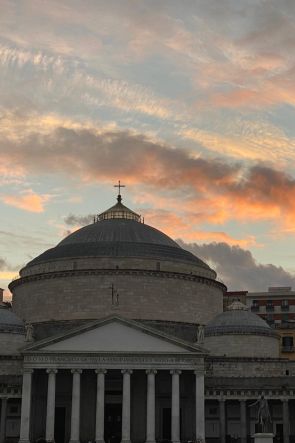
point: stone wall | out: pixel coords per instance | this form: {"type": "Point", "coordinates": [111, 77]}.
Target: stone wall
{"type": "Point", "coordinates": [244, 345]}
{"type": "Point", "coordinates": [142, 295]}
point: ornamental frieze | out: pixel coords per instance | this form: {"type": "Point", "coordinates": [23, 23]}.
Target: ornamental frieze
{"type": "Point", "coordinates": [139, 362]}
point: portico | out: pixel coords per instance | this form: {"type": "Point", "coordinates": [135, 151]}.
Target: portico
{"type": "Point", "coordinates": [146, 380]}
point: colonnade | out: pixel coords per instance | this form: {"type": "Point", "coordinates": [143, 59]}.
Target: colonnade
{"type": "Point", "coordinates": [100, 405]}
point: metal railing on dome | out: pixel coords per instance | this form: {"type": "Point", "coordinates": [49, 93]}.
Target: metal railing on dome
{"type": "Point", "coordinates": [127, 215]}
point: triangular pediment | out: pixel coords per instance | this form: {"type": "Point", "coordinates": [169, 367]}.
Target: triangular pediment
{"type": "Point", "coordinates": [114, 335]}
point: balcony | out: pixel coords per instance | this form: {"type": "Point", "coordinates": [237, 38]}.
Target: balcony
{"type": "Point", "coordinates": [285, 308]}
{"type": "Point", "coordinates": [255, 308]}
{"type": "Point", "coordinates": [269, 308]}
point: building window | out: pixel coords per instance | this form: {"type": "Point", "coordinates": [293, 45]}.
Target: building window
{"type": "Point", "coordinates": [270, 319]}
{"type": "Point", "coordinates": [285, 318]}
{"type": "Point", "coordinates": [287, 344]}
{"type": "Point", "coordinates": [255, 306]}
{"type": "Point", "coordinates": [285, 305]}
{"type": "Point", "coordinates": [269, 305]}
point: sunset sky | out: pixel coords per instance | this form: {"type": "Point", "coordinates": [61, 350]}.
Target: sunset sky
{"type": "Point", "coordinates": [189, 103]}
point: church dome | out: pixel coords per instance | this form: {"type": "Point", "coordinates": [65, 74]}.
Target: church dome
{"type": "Point", "coordinates": [118, 238]}
{"type": "Point", "coordinates": [238, 319]}
{"type": "Point", "coordinates": [118, 262]}
{"type": "Point", "coordinates": [238, 332]}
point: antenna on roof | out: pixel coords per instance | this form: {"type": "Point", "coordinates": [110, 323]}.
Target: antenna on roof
{"type": "Point", "coordinates": [119, 186]}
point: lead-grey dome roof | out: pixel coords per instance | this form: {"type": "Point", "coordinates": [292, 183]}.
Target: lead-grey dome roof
{"type": "Point", "coordinates": [9, 321]}
{"type": "Point", "coordinates": [238, 320]}
{"type": "Point", "coordinates": [119, 237]}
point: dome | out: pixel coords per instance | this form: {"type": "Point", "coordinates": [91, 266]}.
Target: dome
{"type": "Point", "coordinates": [236, 320]}
{"type": "Point", "coordinates": [238, 332]}
{"type": "Point", "coordinates": [118, 237]}
{"type": "Point", "coordinates": [9, 321]}
{"type": "Point", "coordinates": [117, 262]}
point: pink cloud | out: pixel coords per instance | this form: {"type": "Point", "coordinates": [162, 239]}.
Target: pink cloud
{"type": "Point", "coordinates": [30, 201]}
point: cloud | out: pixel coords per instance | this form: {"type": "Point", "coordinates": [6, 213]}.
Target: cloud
{"type": "Point", "coordinates": [238, 269]}
{"type": "Point", "coordinates": [29, 201]}
{"type": "Point", "coordinates": [3, 264]}
{"type": "Point", "coordinates": [57, 76]}
{"type": "Point", "coordinates": [7, 271]}
{"type": "Point", "coordinates": [211, 189]}
{"type": "Point", "coordinates": [79, 220]}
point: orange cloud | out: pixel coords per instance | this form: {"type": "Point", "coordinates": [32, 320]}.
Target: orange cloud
{"type": "Point", "coordinates": [177, 226]}
{"type": "Point", "coordinates": [208, 190]}
{"type": "Point", "coordinates": [30, 201]}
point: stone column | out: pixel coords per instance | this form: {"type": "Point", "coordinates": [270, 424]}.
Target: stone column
{"type": "Point", "coordinates": [50, 413]}
{"type": "Point", "coordinates": [222, 418]}
{"type": "Point", "coordinates": [99, 423]}
{"type": "Point", "coordinates": [75, 416]}
{"type": "Point", "coordinates": [150, 406]}
{"type": "Point", "coordinates": [26, 406]}
{"type": "Point", "coordinates": [126, 406]}
{"type": "Point", "coordinates": [243, 421]}
{"type": "Point", "coordinates": [3, 420]}
{"type": "Point", "coordinates": [200, 406]}
{"type": "Point", "coordinates": [175, 407]}
{"type": "Point", "coordinates": [286, 420]}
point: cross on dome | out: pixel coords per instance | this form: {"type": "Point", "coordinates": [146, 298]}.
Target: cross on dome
{"type": "Point", "coordinates": [119, 210]}
{"type": "Point", "coordinates": [119, 198]}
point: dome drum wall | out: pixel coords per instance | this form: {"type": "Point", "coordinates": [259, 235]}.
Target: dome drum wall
{"type": "Point", "coordinates": [243, 345]}
{"type": "Point", "coordinates": [149, 295]}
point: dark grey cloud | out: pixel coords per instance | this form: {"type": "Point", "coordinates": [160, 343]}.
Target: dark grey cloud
{"type": "Point", "coordinates": [6, 266]}
{"type": "Point", "coordinates": [79, 220]}
{"type": "Point", "coordinates": [238, 269]}
{"type": "Point", "coordinates": [3, 264]}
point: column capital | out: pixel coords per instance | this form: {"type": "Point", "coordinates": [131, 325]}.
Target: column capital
{"type": "Point", "coordinates": [198, 372]}
{"type": "Point", "coordinates": [76, 371]}
{"type": "Point", "coordinates": [126, 371]}
{"type": "Point", "coordinates": [100, 371]}
{"type": "Point", "coordinates": [28, 371]}
{"type": "Point", "coordinates": [175, 372]}
{"type": "Point", "coordinates": [284, 400]}
{"type": "Point", "coordinates": [51, 371]}
{"type": "Point", "coordinates": [151, 371]}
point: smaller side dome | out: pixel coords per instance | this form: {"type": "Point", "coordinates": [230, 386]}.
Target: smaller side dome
{"type": "Point", "coordinates": [238, 332]}
{"type": "Point", "coordinates": [9, 321]}
{"type": "Point", "coordinates": [12, 331]}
